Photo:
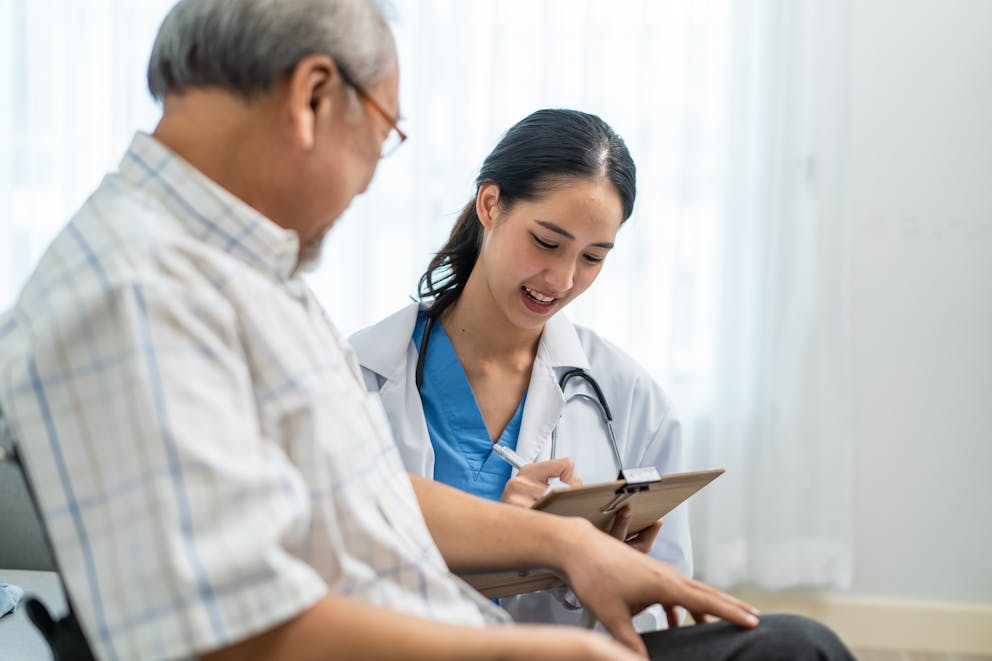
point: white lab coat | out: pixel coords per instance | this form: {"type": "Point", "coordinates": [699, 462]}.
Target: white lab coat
{"type": "Point", "coordinates": [648, 433]}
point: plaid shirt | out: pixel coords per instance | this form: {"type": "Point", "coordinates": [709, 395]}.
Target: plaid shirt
{"type": "Point", "coordinates": [208, 461]}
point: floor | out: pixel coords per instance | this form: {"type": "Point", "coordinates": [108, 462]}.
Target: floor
{"type": "Point", "coordinates": [864, 654]}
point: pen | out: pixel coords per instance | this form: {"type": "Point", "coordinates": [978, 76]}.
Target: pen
{"type": "Point", "coordinates": [518, 462]}
{"type": "Point", "coordinates": [510, 456]}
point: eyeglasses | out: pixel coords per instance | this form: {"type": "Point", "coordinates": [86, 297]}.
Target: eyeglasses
{"type": "Point", "coordinates": [396, 136]}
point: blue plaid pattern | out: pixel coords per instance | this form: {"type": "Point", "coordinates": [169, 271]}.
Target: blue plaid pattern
{"type": "Point", "coordinates": [208, 461]}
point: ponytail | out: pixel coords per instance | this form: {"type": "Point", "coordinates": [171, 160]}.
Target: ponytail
{"type": "Point", "coordinates": [448, 271]}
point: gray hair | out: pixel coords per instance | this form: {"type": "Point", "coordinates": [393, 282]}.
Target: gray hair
{"type": "Point", "coordinates": [245, 46]}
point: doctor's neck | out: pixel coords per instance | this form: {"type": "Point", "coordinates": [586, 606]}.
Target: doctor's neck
{"type": "Point", "coordinates": [478, 329]}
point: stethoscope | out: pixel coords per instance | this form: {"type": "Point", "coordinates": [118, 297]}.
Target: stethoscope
{"type": "Point", "coordinates": [599, 401]}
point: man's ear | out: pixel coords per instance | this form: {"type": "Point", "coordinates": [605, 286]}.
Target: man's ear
{"type": "Point", "coordinates": [309, 96]}
{"type": "Point", "coordinates": [487, 204]}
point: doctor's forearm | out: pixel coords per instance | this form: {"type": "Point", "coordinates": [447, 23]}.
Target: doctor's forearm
{"type": "Point", "coordinates": [475, 533]}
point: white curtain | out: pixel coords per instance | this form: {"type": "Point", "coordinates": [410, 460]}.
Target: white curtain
{"type": "Point", "coordinates": [727, 284]}
{"type": "Point", "coordinates": [778, 413]}
{"type": "Point", "coordinates": [72, 92]}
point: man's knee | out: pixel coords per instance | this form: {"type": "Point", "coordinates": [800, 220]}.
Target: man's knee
{"type": "Point", "coordinates": [797, 637]}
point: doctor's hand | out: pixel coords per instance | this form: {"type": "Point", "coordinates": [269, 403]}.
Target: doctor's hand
{"type": "Point", "coordinates": [642, 541]}
{"type": "Point", "coordinates": [615, 582]}
{"type": "Point", "coordinates": [531, 482]}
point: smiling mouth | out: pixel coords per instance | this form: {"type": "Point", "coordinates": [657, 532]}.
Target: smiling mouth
{"type": "Point", "coordinates": [538, 297]}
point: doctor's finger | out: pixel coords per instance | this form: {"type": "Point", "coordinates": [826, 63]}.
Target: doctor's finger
{"type": "Point", "coordinates": [568, 475]}
{"type": "Point", "coordinates": [644, 540]}
{"type": "Point", "coordinates": [540, 471]}
{"type": "Point", "coordinates": [522, 492]}
{"type": "Point", "coordinates": [621, 523]}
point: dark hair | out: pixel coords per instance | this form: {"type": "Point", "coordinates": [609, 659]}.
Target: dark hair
{"type": "Point", "coordinates": [535, 155]}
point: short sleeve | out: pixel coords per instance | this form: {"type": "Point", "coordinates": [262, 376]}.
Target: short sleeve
{"type": "Point", "coordinates": [170, 511]}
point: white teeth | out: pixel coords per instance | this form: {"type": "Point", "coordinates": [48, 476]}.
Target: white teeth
{"type": "Point", "coordinates": [538, 297]}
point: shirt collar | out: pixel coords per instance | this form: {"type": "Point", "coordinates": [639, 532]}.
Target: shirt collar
{"type": "Point", "coordinates": [560, 345]}
{"type": "Point", "coordinates": [207, 210]}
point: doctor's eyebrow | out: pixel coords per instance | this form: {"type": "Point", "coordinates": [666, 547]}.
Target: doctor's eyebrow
{"type": "Point", "coordinates": [568, 235]}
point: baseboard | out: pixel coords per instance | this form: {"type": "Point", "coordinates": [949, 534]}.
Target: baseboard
{"type": "Point", "coordinates": [868, 622]}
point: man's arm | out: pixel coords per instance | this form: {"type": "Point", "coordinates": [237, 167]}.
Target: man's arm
{"type": "Point", "coordinates": [612, 580]}
{"type": "Point", "coordinates": [340, 628]}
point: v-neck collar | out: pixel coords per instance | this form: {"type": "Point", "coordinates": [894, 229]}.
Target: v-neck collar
{"type": "Point", "coordinates": [457, 428]}
{"type": "Point", "coordinates": [445, 369]}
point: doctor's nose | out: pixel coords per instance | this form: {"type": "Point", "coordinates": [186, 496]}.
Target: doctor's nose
{"type": "Point", "coordinates": [561, 276]}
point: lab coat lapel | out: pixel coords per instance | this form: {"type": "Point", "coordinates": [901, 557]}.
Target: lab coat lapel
{"type": "Point", "coordinates": [409, 424]}
{"type": "Point", "coordinates": [558, 351]}
{"type": "Point", "coordinates": [382, 348]}
{"type": "Point", "coordinates": [386, 350]}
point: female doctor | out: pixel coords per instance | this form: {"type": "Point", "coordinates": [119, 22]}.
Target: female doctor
{"type": "Point", "coordinates": [482, 362]}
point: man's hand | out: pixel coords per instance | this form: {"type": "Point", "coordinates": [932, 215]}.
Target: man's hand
{"type": "Point", "coordinates": [615, 582]}
{"type": "Point", "coordinates": [611, 579]}
{"type": "Point", "coordinates": [557, 643]}
{"type": "Point", "coordinates": [531, 482]}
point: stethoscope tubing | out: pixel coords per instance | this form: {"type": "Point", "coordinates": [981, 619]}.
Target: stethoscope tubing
{"type": "Point", "coordinates": [578, 373]}
{"type": "Point", "coordinates": [599, 401]}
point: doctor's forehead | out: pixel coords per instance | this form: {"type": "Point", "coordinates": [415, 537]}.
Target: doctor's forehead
{"type": "Point", "coordinates": [578, 205]}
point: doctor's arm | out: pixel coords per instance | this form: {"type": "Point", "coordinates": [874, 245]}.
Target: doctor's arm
{"type": "Point", "coordinates": [613, 580]}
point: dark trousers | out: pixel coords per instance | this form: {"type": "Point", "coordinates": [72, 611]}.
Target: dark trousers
{"type": "Point", "coordinates": [778, 637]}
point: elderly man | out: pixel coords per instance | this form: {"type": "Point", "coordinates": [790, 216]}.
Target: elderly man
{"type": "Point", "coordinates": [215, 479]}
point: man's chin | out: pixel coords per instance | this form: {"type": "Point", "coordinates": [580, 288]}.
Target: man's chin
{"type": "Point", "coordinates": [312, 252]}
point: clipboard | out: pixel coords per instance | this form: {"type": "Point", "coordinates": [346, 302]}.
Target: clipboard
{"type": "Point", "coordinates": [598, 503]}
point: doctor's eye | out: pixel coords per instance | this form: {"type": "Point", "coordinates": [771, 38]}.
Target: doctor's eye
{"type": "Point", "coordinates": [544, 244]}
{"type": "Point", "coordinates": [593, 259]}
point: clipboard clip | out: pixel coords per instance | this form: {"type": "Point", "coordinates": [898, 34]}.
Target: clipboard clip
{"type": "Point", "coordinates": [641, 475]}
{"type": "Point", "coordinates": [637, 479]}
{"type": "Point", "coordinates": [622, 496]}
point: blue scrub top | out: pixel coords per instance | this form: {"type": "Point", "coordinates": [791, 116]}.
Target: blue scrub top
{"type": "Point", "coordinates": [463, 449]}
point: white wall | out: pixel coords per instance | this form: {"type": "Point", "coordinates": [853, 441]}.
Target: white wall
{"type": "Point", "coordinates": [921, 287]}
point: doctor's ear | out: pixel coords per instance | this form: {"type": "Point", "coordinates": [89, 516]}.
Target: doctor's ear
{"type": "Point", "coordinates": [487, 205]}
